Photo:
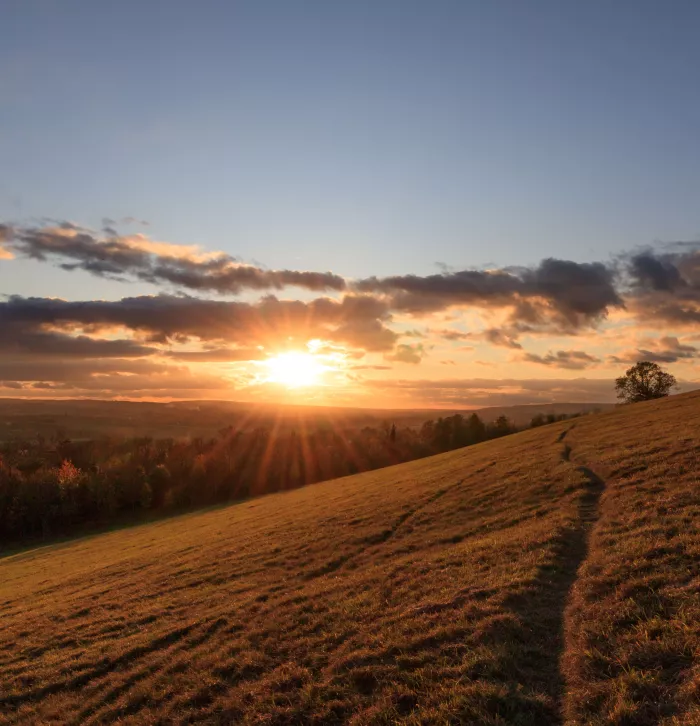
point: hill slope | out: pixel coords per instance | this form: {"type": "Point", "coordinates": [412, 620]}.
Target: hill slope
{"type": "Point", "coordinates": [550, 576]}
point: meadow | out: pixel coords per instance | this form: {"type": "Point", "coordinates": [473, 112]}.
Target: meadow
{"type": "Point", "coordinates": [551, 576]}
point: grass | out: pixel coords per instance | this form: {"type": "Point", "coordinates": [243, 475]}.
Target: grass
{"type": "Point", "coordinates": [633, 654]}
{"type": "Point", "coordinates": [547, 577]}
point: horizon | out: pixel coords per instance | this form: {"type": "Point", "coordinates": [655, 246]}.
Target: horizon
{"type": "Point", "coordinates": [381, 206]}
{"type": "Point", "coordinates": [214, 401]}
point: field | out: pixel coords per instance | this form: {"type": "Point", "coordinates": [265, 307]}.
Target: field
{"type": "Point", "coordinates": [86, 419]}
{"type": "Point", "coordinates": [548, 577]}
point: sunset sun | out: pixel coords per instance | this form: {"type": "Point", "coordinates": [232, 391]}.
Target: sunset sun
{"type": "Point", "coordinates": [294, 369]}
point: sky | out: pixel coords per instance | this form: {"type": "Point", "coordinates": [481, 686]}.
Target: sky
{"type": "Point", "coordinates": [420, 161]}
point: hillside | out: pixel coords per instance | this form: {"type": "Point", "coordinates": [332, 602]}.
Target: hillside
{"type": "Point", "coordinates": [550, 576]}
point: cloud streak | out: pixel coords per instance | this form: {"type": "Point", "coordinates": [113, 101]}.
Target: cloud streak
{"type": "Point", "coordinates": [137, 256]}
{"type": "Point", "coordinates": [573, 360]}
{"type": "Point", "coordinates": [667, 349]}
{"type": "Point", "coordinates": [407, 354]}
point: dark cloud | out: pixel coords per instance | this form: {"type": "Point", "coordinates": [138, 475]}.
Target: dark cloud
{"type": "Point", "coordinates": [138, 257]}
{"type": "Point", "coordinates": [356, 321]}
{"type": "Point", "coordinates": [568, 359]}
{"type": "Point", "coordinates": [664, 285]}
{"type": "Point", "coordinates": [452, 335]}
{"type": "Point", "coordinates": [579, 292]}
{"type": "Point", "coordinates": [562, 293]}
{"type": "Point", "coordinates": [664, 350]}
{"type": "Point", "coordinates": [53, 345]}
{"type": "Point", "coordinates": [224, 276]}
{"type": "Point", "coordinates": [21, 368]}
{"type": "Point", "coordinates": [16, 339]}
{"type": "Point", "coordinates": [652, 272]}
{"type": "Point", "coordinates": [500, 337]}
{"type": "Point", "coordinates": [416, 294]}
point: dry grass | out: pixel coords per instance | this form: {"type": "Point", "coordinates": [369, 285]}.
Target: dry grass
{"type": "Point", "coordinates": [443, 591]}
{"type": "Point", "coordinates": [633, 654]}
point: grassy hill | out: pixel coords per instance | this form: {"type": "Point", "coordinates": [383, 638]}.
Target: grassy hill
{"type": "Point", "coordinates": [548, 577]}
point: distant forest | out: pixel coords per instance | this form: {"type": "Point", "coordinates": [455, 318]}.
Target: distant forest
{"type": "Point", "coordinates": [57, 487]}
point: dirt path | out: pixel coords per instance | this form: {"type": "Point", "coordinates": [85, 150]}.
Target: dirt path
{"type": "Point", "coordinates": [578, 548]}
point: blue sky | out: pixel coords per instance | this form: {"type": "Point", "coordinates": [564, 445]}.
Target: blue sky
{"type": "Point", "coordinates": [369, 138]}
{"type": "Point", "coordinates": [364, 137]}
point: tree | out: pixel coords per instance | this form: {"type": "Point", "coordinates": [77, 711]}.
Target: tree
{"type": "Point", "coordinates": [644, 381]}
{"type": "Point", "coordinates": [476, 429]}
{"type": "Point", "coordinates": [160, 481]}
{"type": "Point", "coordinates": [538, 420]}
{"type": "Point", "coordinates": [502, 427]}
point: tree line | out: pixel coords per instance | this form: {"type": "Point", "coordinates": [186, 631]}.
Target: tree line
{"type": "Point", "coordinates": [56, 488]}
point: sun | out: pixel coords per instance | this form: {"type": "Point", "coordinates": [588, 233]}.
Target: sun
{"type": "Point", "coordinates": [294, 369]}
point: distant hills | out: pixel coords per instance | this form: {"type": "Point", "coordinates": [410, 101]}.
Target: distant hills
{"type": "Point", "coordinates": [83, 419]}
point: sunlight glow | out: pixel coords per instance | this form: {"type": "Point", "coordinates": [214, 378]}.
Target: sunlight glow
{"type": "Point", "coordinates": [294, 369]}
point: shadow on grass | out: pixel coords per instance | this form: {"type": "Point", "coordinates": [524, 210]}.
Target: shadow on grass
{"type": "Point", "coordinates": [541, 607]}
{"type": "Point", "coordinates": [88, 532]}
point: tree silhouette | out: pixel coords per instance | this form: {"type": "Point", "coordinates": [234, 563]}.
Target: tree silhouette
{"type": "Point", "coordinates": [644, 381]}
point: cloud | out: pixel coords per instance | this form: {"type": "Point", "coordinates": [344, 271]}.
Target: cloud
{"type": "Point", "coordinates": [23, 368]}
{"type": "Point", "coordinates": [217, 355]}
{"type": "Point", "coordinates": [100, 343]}
{"type": "Point", "coordinates": [407, 354]}
{"type": "Point", "coordinates": [568, 359]}
{"type": "Point", "coordinates": [55, 345]}
{"type": "Point", "coordinates": [107, 378]}
{"type": "Point", "coordinates": [477, 392]}
{"type": "Point", "coordinates": [452, 335]}
{"type": "Point", "coordinates": [667, 349]}
{"type": "Point", "coordinates": [655, 272]}
{"type": "Point", "coordinates": [554, 296]}
{"type": "Point", "coordinates": [5, 232]}
{"type": "Point", "coordinates": [139, 257]}
{"type": "Point", "coordinates": [15, 339]}
{"type": "Point", "coordinates": [664, 285]}
{"type": "Point", "coordinates": [557, 293]}
{"type": "Point", "coordinates": [501, 337]}
{"type": "Point", "coordinates": [356, 321]}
